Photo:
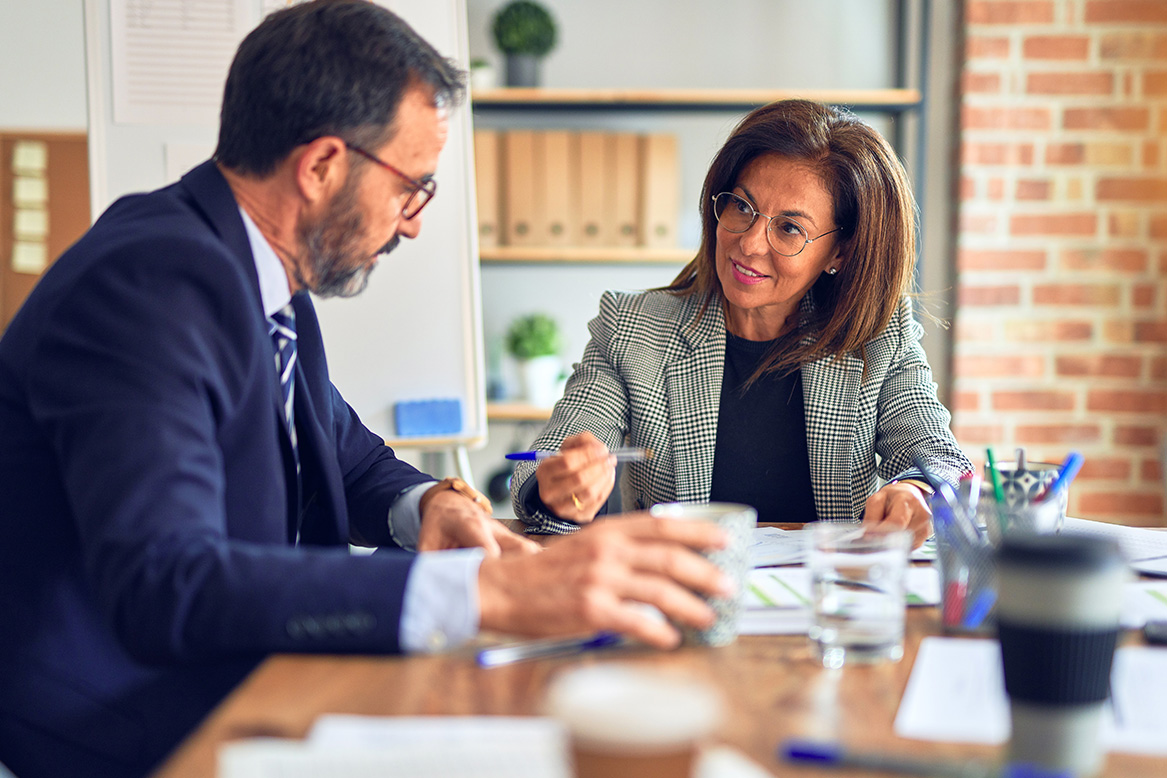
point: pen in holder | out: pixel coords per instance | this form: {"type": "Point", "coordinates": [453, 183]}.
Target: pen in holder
{"type": "Point", "coordinates": [968, 585]}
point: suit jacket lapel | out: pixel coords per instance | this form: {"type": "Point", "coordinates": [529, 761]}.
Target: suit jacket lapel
{"type": "Point", "coordinates": [693, 394]}
{"type": "Point", "coordinates": [830, 391]}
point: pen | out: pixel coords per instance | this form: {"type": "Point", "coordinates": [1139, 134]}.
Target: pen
{"type": "Point", "coordinates": [998, 492]}
{"type": "Point", "coordinates": [621, 454]}
{"type": "Point", "coordinates": [542, 649]}
{"type": "Point", "coordinates": [832, 755]}
{"type": "Point", "coordinates": [979, 609]}
{"type": "Point", "coordinates": [1069, 469]}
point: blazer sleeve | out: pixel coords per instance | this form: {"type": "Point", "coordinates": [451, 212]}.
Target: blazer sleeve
{"type": "Point", "coordinates": [136, 381]}
{"type": "Point", "coordinates": [595, 399]}
{"type": "Point", "coordinates": [912, 421]}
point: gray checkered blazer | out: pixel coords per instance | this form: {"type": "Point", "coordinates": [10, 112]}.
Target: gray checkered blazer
{"type": "Point", "coordinates": [651, 376]}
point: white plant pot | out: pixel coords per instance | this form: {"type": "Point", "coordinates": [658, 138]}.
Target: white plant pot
{"type": "Point", "coordinates": [539, 380]}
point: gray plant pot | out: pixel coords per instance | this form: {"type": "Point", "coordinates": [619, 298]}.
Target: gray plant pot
{"type": "Point", "coordinates": [522, 70]}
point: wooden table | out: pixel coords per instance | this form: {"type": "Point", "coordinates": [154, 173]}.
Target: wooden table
{"type": "Point", "coordinates": [773, 685]}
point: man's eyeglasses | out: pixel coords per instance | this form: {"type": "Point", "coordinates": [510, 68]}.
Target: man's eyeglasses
{"type": "Point", "coordinates": [784, 235]}
{"type": "Point", "coordinates": [423, 191]}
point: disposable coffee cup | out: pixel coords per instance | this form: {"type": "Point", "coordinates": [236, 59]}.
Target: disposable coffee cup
{"type": "Point", "coordinates": [1058, 620]}
{"type": "Point", "coordinates": [626, 721]}
{"type": "Point", "coordinates": [739, 522]}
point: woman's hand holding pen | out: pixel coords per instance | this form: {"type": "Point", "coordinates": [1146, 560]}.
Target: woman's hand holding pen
{"type": "Point", "coordinates": [575, 483]}
{"type": "Point", "coordinates": [900, 506]}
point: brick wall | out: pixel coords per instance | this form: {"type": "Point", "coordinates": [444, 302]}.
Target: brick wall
{"type": "Point", "coordinates": [1060, 338]}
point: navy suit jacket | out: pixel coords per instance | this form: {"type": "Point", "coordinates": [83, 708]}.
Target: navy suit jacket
{"type": "Point", "coordinates": [147, 492]}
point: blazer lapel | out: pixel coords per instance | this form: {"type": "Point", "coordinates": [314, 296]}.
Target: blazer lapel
{"type": "Point", "coordinates": [693, 395]}
{"type": "Point", "coordinates": [830, 391]}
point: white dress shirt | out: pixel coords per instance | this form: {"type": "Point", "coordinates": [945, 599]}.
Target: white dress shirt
{"type": "Point", "coordinates": [440, 607]}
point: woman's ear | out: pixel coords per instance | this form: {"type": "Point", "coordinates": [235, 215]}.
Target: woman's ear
{"type": "Point", "coordinates": [322, 168]}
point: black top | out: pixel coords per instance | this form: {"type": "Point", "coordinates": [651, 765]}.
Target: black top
{"type": "Point", "coordinates": [760, 458]}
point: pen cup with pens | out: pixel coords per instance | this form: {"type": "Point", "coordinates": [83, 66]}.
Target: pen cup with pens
{"type": "Point", "coordinates": [1017, 497]}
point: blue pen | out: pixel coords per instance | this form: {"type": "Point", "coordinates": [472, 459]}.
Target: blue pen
{"type": "Point", "coordinates": [542, 649]}
{"type": "Point", "coordinates": [1069, 469]}
{"type": "Point", "coordinates": [834, 756]}
{"type": "Point", "coordinates": [979, 609]}
{"type": "Point", "coordinates": [621, 454]}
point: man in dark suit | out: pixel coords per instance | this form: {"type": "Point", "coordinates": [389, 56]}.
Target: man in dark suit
{"type": "Point", "coordinates": [179, 479]}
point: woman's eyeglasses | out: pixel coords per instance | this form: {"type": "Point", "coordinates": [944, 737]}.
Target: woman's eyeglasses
{"type": "Point", "coordinates": [786, 236]}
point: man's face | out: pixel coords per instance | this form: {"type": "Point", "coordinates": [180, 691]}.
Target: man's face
{"type": "Point", "coordinates": [363, 219]}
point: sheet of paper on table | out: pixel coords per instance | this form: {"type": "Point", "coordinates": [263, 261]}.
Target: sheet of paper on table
{"type": "Point", "coordinates": [778, 599]}
{"type": "Point", "coordinates": [956, 694]}
{"type": "Point", "coordinates": [772, 546]}
{"type": "Point", "coordinates": [434, 747]}
{"type": "Point", "coordinates": [1145, 549]}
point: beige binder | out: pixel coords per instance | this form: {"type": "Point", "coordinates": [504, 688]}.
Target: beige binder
{"type": "Point", "coordinates": [555, 187]}
{"type": "Point", "coordinates": [593, 166]}
{"type": "Point", "coordinates": [487, 181]}
{"type": "Point", "coordinates": [624, 189]}
{"type": "Point", "coordinates": [521, 211]}
{"type": "Point", "coordinates": [660, 200]}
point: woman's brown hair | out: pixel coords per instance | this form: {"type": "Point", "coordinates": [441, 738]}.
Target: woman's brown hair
{"type": "Point", "coordinates": [874, 210]}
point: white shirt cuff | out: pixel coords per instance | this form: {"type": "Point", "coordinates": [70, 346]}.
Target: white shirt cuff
{"type": "Point", "coordinates": [404, 516]}
{"type": "Point", "coordinates": [440, 609]}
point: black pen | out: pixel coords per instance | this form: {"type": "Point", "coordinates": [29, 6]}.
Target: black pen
{"type": "Point", "coordinates": [621, 454]}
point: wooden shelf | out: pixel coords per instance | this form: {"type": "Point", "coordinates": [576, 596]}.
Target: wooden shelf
{"type": "Point", "coordinates": [636, 255]}
{"type": "Point", "coordinates": [516, 411]}
{"type": "Point", "coordinates": [883, 100]}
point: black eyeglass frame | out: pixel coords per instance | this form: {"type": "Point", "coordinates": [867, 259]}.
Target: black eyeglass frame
{"type": "Point", "coordinates": [806, 239]}
{"type": "Point", "coordinates": [429, 187]}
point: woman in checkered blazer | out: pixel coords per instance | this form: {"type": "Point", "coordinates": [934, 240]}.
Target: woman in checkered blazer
{"type": "Point", "coordinates": [782, 367]}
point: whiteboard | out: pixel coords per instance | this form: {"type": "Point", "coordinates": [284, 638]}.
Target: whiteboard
{"type": "Point", "coordinates": [416, 331]}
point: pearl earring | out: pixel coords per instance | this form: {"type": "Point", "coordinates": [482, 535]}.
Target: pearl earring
{"type": "Point", "coordinates": [832, 270]}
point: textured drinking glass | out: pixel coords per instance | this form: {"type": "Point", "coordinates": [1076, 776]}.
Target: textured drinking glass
{"type": "Point", "coordinates": [738, 521]}
{"type": "Point", "coordinates": [857, 583]}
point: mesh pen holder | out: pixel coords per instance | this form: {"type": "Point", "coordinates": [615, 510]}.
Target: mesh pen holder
{"type": "Point", "coordinates": [968, 575]}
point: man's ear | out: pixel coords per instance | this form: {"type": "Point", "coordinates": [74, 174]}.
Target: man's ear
{"type": "Point", "coordinates": [322, 168]}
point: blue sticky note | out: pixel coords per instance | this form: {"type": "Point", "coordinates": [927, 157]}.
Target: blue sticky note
{"type": "Point", "coordinates": [428, 417]}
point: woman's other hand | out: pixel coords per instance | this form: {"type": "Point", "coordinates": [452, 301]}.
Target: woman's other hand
{"type": "Point", "coordinates": [576, 482]}
{"type": "Point", "coordinates": [900, 506]}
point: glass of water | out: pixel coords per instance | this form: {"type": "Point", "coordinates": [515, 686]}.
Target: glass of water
{"type": "Point", "coordinates": [857, 583]}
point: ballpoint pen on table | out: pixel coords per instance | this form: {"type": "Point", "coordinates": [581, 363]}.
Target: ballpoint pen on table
{"type": "Point", "coordinates": [621, 454]}
{"type": "Point", "coordinates": [542, 649]}
{"type": "Point", "coordinates": [1066, 474]}
{"type": "Point", "coordinates": [834, 756]}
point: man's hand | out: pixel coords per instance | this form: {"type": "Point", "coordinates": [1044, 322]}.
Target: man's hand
{"type": "Point", "coordinates": [576, 482]}
{"type": "Point", "coordinates": [452, 520]}
{"type": "Point", "coordinates": [900, 506]}
{"type": "Point", "coordinates": [596, 578]}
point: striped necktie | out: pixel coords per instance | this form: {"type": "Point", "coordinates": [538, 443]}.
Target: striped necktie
{"type": "Point", "coordinates": [282, 328]}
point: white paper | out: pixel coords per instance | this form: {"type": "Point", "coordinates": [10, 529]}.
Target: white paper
{"type": "Point", "coordinates": [1135, 542]}
{"type": "Point", "coordinates": [1143, 601]}
{"type": "Point", "coordinates": [772, 546]}
{"type": "Point", "coordinates": [956, 694]}
{"type": "Point", "coordinates": [169, 58]}
{"type": "Point", "coordinates": [434, 747]}
{"type": "Point", "coordinates": [778, 599]}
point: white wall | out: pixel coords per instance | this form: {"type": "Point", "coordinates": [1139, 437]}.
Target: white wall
{"type": "Point", "coordinates": [42, 65]}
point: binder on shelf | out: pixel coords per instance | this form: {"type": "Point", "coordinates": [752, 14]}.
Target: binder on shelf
{"type": "Point", "coordinates": [593, 166]}
{"type": "Point", "coordinates": [521, 207]}
{"type": "Point", "coordinates": [661, 183]}
{"type": "Point", "coordinates": [487, 186]}
{"type": "Point", "coordinates": [555, 187]}
{"type": "Point", "coordinates": [624, 189]}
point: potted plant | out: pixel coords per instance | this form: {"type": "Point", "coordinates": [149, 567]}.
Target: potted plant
{"type": "Point", "coordinates": [481, 75]}
{"type": "Point", "coordinates": [524, 31]}
{"type": "Point", "coordinates": [534, 341]}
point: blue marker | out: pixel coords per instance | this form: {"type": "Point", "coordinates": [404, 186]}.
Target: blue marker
{"type": "Point", "coordinates": [621, 454]}
{"type": "Point", "coordinates": [542, 649]}
{"type": "Point", "coordinates": [1069, 469]}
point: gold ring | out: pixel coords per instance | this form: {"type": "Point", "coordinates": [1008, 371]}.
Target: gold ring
{"type": "Point", "coordinates": [578, 504]}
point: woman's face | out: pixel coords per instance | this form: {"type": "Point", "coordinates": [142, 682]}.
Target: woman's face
{"type": "Point", "coordinates": [762, 287]}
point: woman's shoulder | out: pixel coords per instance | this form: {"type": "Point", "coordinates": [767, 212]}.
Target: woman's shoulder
{"type": "Point", "coordinates": [647, 308]}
